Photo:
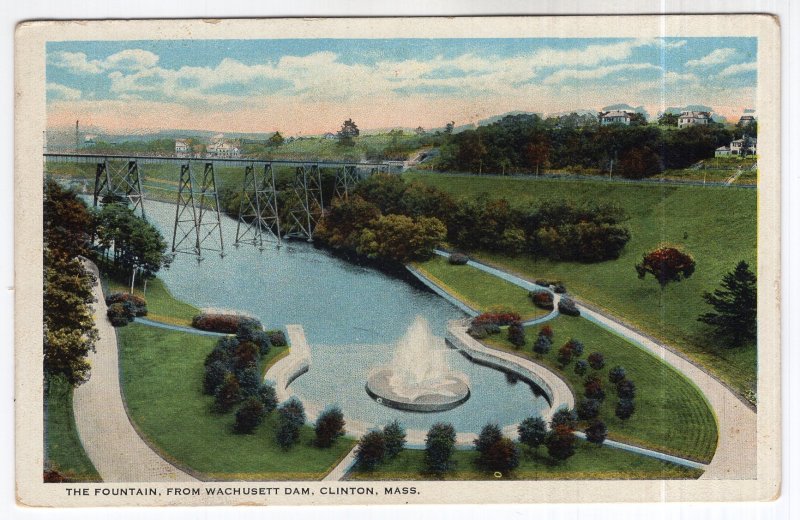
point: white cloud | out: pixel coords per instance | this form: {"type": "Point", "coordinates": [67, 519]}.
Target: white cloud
{"type": "Point", "coordinates": [79, 63]}
{"type": "Point", "coordinates": [75, 62]}
{"type": "Point", "coordinates": [715, 57]}
{"type": "Point", "coordinates": [738, 68]}
{"type": "Point", "coordinates": [596, 73]}
{"type": "Point", "coordinates": [58, 91]}
{"type": "Point", "coordinates": [131, 59]}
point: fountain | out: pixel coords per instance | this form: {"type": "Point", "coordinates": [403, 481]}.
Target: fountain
{"type": "Point", "coordinates": [418, 378]}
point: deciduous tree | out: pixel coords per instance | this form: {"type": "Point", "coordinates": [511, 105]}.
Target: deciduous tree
{"type": "Point", "coordinates": [666, 264]}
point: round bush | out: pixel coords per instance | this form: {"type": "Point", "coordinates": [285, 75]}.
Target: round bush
{"type": "Point", "coordinates": [249, 416]}
{"type": "Point", "coordinates": [542, 299]}
{"type": "Point", "coordinates": [138, 303]}
{"type": "Point", "coordinates": [597, 432]}
{"type": "Point", "coordinates": [588, 409]}
{"type": "Point", "coordinates": [581, 367]}
{"type": "Point", "coordinates": [596, 360]}
{"type": "Point", "coordinates": [626, 389]}
{"type": "Point", "coordinates": [568, 307]}
{"type": "Point", "coordinates": [277, 338]}
{"type": "Point", "coordinates": [458, 259]}
{"type": "Point", "coordinates": [120, 314]}
{"type": "Point", "coordinates": [616, 374]}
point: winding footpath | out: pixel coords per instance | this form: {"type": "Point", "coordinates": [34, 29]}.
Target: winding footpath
{"type": "Point", "coordinates": [735, 456]}
{"type": "Point", "coordinates": [105, 430]}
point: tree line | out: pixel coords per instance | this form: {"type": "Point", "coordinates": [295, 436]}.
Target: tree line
{"type": "Point", "coordinates": [526, 143]}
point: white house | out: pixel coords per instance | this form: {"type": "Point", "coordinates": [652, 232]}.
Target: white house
{"type": "Point", "coordinates": [722, 151]}
{"type": "Point", "coordinates": [182, 147]}
{"type": "Point", "coordinates": [329, 135]}
{"type": "Point", "coordinates": [743, 147]}
{"type": "Point", "coordinates": [691, 117]}
{"type": "Point", "coordinates": [615, 117]}
{"type": "Point", "coordinates": [223, 149]}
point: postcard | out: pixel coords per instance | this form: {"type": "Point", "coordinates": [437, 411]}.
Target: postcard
{"type": "Point", "coordinates": [397, 260]}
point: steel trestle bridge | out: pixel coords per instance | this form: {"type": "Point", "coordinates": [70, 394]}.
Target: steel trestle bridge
{"type": "Point", "coordinates": [264, 215]}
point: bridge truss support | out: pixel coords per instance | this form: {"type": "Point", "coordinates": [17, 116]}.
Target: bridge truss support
{"type": "Point", "coordinates": [347, 177]}
{"type": "Point", "coordinates": [117, 182]}
{"type": "Point", "coordinates": [307, 208]}
{"type": "Point", "coordinates": [258, 208]}
{"type": "Point", "coordinates": [197, 217]}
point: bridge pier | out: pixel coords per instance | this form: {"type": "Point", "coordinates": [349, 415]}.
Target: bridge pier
{"type": "Point", "coordinates": [258, 208]}
{"type": "Point", "coordinates": [116, 183]}
{"type": "Point", "coordinates": [308, 208]}
{"type": "Point", "coordinates": [193, 227]}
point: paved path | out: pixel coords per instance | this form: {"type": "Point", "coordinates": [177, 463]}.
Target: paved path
{"type": "Point", "coordinates": [109, 439]}
{"type": "Point", "coordinates": [343, 467]}
{"type": "Point", "coordinates": [735, 457]}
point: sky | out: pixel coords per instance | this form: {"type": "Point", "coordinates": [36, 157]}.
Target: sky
{"type": "Point", "coordinates": [310, 86]}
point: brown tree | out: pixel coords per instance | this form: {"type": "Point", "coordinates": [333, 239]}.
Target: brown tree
{"type": "Point", "coordinates": [666, 264]}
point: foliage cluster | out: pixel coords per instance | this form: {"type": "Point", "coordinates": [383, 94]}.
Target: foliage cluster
{"type": "Point", "coordinates": [224, 323]}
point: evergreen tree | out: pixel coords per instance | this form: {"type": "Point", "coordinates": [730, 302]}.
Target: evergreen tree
{"type": "Point", "coordinates": [735, 307]}
{"type": "Point", "coordinates": [329, 427]}
{"type": "Point", "coordinates": [532, 431]}
{"type": "Point", "coordinates": [439, 444]}
{"type": "Point", "coordinates": [371, 450]}
{"type": "Point", "coordinates": [395, 438]}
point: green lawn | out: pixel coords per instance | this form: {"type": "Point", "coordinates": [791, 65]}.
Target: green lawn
{"type": "Point", "coordinates": [478, 289]}
{"type": "Point", "coordinates": [716, 225]}
{"type": "Point", "coordinates": [589, 463]}
{"type": "Point", "coordinates": [64, 449]}
{"type": "Point", "coordinates": [671, 415]}
{"type": "Point", "coordinates": [161, 305]}
{"type": "Point", "coordinates": [161, 374]}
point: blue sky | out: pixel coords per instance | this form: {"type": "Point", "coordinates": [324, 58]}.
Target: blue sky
{"type": "Point", "coordinates": [310, 86]}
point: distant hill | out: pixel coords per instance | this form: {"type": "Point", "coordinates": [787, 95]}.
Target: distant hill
{"type": "Point", "coordinates": [494, 119]}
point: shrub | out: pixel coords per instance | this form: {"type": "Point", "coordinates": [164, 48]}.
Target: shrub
{"type": "Point", "coordinates": [225, 323]}
{"type": "Point", "coordinates": [291, 416]}
{"type": "Point", "coordinates": [502, 456]}
{"type": "Point", "coordinates": [496, 318]}
{"type": "Point", "coordinates": [588, 409]}
{"type": "Point", "coordinates": [277, 338]}
{"type": "Point", "coordinates": [439, 444]}
{"type": "Point", "coordinates": [478, 331]}
{"type": "Point", "coordinates": [266, 394]}
{"type": "Point", "coordinates": [581, 367]}
{"type": "Point", "coordinates": [542, 345]}
{"type": "Point", "coordinates": [139, 304]}
{"type": "Point", "coordinates": [546, 330]}
{"type": "Point", "coordinates": [666, 264]}
{"type": "Point", "coordinates": [532, 431]}
{"type": "Point", "coordinates": [516, 334]}
{"type": "Point", "coordinates": [593, 388]}
{"type": "Point", "coordinates": [616, 374]}
{"type": "Point", "coordinates": [556, 285]}
{"type": "Point", "coordinates": [249, 416]}
{"type": "Point", "coordinates": [227, 394]}
{"type": "Point", "coordinates": [489, 435]}
{"type": "Point", "coordinates": [245, 356]}
{"type": "Point", "coordinates": [542, 299]}
{"type": "Point", "coordinates": [565, 354]}
{"type": "Point", "coordinates": [371, 450]}
{"type": "Point", "coordinates": [492, 328]}
{"type": "Point", "coordinates": [624, 409]}
{"type": "Point", "coordinates": [597, 432]}
{"type": "Point", "coordinates": [564, 417]}
{"type": "Point", "coordinates": [249, 382]}
{"type": "Point", "coordinates": [626, 389]}
{"type": "Point", "coordinates": [215, 375]}
{"type": "Point", "coordinates": [559, 288]}
{"type": "Point", "coordinates": [253, 333]}
{"type": "Point", "coordinates": [458, 259]}
{"type": "Point", "coordinates": [395, 438]}
{"type": "Point", "coordinates": [577, 347]}
{"type": "Point", "coordinates": [567, 306]}
{"type": "Point", "coordinates": [560, 443]}
{"type": "Point", "coordinates": [596, 360]}
{"type": "Point", "coordinates": [120, 314]}
{"type": "Point", "coordinates": [329, 427]}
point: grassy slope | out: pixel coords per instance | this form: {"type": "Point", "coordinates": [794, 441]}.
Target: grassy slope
{"type": "Point", "coordinates": [479, 290]}
{"type": "Point", "coordinates": [716, 225]}
{"type": "Point", "coordinates": [64, 449]}
{"type": "Point", "coordinates": [589, 462]}
{"type": "Point", "coordinates": [161, 305]}
{"type": "Point", "coordinates": [671, 414]}
{"type": "Point", "coordinates": [162, 380]}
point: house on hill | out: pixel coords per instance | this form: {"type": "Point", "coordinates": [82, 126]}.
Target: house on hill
{"type": "Point", "coordinates": [329, 135]}
{"type": "Point", "coordinates": [691, 118]}
{"type": "Point", "coordinates": [182, 147]}
{"type": "Point", "coordinates": [622, 117]}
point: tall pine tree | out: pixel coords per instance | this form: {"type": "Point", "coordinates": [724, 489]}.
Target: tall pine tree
{"type": "Point", "coordinates": [735, 306]}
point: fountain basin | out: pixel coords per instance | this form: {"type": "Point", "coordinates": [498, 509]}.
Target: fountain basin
{"type": "Point", "coordinates": [447, 393]}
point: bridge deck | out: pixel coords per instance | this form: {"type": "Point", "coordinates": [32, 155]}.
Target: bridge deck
{"type": "Point", "coordinates": [223, 161]}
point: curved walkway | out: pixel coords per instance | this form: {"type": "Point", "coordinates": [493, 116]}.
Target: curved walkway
{"type": "Point", "coordinates": [109, 439]}
{"type": "Point", "coordinates": [735, 457]}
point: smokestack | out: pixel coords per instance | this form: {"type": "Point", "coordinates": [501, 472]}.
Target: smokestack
{"type": "Point", "coordinates": [77, 137]}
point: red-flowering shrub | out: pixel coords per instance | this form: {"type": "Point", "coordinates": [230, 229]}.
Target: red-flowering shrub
{"type": "Point", "coordinates": [666, 264]}
{"type": "Point", "coordinates": [225, 323]}
{"type": "Point", "coordinates": [496, 318]}
{"type": "Point", "coordinates": [542, 299]}
{"type": "Point", "coordinates": [546, 330]}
